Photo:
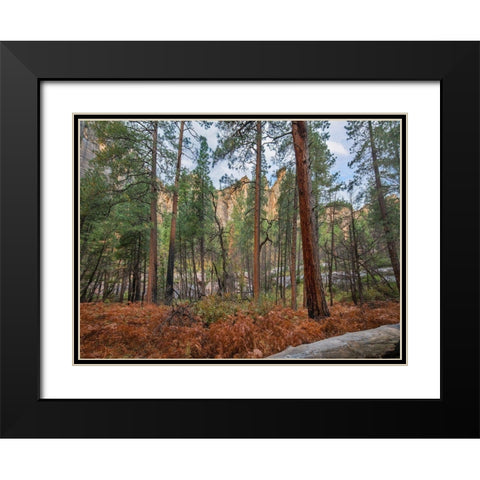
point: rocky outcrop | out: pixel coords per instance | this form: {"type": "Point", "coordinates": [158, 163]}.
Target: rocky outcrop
{"type": "Point", "coordinates": [228, 197]}
{"type": "Point", "coordinates": [273, 194]}
{"type": "Point", "coordinates": [165, 201]}
{"type": "Point", "coordinates": [381, 342]}
{"type": "Point", "coordinates": [88, 146]}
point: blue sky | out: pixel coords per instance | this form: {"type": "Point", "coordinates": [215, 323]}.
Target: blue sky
{"type": "Point", "coordinates": [338, 145]}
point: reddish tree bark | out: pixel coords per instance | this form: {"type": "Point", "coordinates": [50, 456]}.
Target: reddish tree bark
{"type": "Point", "coordinates": [173, 224]}
{"type": "Point", "coordinates": [256, 234]}
{"type": "Point", "coordinates": [152, 261]}
{"type": "Point", "coordinates": [293, 252]}
{"type": "Point", "coordinates": [315, 296]}
{"type": "Point", "coordinates": [332, 250]}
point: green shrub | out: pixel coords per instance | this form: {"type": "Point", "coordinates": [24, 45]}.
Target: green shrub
{"type": "Point", "coordinates": [214, 307]}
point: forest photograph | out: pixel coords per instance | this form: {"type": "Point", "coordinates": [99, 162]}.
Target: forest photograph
{"type": "Point", "coordinates": [239, 238]}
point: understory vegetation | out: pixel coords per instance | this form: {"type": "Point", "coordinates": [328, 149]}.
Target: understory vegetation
{"type": "Point", "coordinates": [247, 330]}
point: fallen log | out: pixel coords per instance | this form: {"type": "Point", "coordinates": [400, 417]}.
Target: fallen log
{"type": "Point", "coordinates": [381, 342]}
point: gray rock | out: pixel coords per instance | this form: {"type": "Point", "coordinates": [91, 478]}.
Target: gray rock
{"type": "Point", "coordinates": [381, 342]}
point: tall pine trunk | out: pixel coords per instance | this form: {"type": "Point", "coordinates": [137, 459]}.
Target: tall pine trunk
{"type": "Point", "coordinates": [194, 267]}
{"type": "Point", "coordinates": [392, 250]}
{"type": "Point", "coordinates": [152, 261]}
{"type": "Point", "coordinates": [202, 264]}
{"type": "Point", "coordinates": [293, 252]}
{"type": "Point", "coordinates": [256, 228]}
{"type": "Point", "coordinates": [332, 251]}
{"type": "Point", "coordinates": [315, 296]}
{"type": "Point", "coordinates": [356, 257]}
{"type": "Point", "coordinates": [202, 243]}
{"type": "Point", "coordinates": [136, 273]}
{"type": "Point", "coordinates": [173, 224]}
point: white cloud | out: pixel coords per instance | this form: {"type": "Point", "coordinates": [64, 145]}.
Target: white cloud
{"type": "Point", "coordinates": [221, 168]}
{"type": "Point", "coordinates": [337, 148]}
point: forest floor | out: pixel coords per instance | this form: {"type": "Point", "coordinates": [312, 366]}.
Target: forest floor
{"type": "Point", "coordinates": [212, 329]}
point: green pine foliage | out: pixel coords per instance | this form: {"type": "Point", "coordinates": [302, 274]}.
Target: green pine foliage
{"type": "Point", "coordinates": [214, 251]}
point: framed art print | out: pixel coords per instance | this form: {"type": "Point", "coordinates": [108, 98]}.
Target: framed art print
{"type": "Point", "coordinates": [201, 248]}
{"type": "Point", "coordinates": [250, 300]}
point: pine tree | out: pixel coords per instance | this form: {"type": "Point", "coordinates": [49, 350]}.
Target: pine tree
{"type": "Point", "coordinates": [240, 144]}
{"type": "Point", "coordinates": [169, 291]}
{"type": "Point", "coordinates": [113, 213]}
{"type": "Point", "coordinates": [315, 296]}
{"type": "Point", "coordinates": [153, 250]}
{"type": "Point", "coordinates": [376, 149]}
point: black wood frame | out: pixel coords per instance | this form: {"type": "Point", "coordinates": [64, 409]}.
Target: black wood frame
{"type": "Point", "coordinates": [25, 64]}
